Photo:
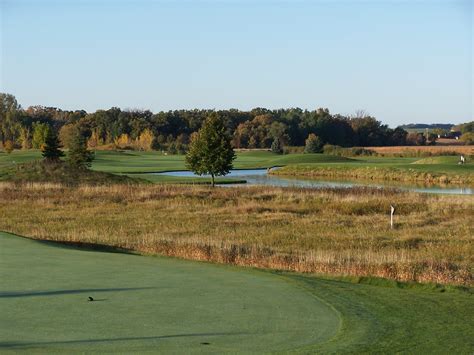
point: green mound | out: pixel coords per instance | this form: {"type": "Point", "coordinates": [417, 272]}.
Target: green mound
{"type": "Point", "coordinates": [148, 304]}
{"type": "Point", "coordinates": [451, 160]}
{"type": "Point", "coordinates": [40, 171]}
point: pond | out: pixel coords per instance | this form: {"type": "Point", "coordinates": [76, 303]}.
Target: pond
{"type": "Point", "coordinates": [261, 177]}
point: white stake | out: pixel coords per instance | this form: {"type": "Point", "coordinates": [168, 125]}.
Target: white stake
{"type": "Point", "coordinates": [392, 210]}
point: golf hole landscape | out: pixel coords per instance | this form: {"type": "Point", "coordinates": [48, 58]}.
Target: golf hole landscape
{"type": "Point", "coordinates": [236, 177]}
{"type": "Point", "coordinates": [132, 261]}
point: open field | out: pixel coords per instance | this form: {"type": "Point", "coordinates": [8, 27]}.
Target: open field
{"type": "Point", "coordinates": [421, 150]}
{"type": "Point", "coordinates": [443, 170]}
{"type": "Point", "coordinates": [168, 305]}
{"type": "Point", "coordinates": [331, 231]}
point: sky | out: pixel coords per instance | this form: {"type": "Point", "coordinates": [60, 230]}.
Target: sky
{"type": "Point", "coordinates": [400, 61]}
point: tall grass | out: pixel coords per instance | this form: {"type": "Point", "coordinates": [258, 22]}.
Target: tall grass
{"type": "Point", "coordinates": [382, 173]}
{"type": "Point", "coordinates": [423, 151]}
{"type": "Point", "coordinates": [330, 231]}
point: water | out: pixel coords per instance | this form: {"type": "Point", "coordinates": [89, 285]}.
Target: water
{"type": "Point", "coordinates": [261, 177]}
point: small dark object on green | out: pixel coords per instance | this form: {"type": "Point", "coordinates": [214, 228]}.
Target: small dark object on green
{"type": "Point", "coordinates": [90, 299]}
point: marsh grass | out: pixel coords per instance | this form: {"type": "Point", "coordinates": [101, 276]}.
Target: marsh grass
{"type": "Point", "coordinates": [382, 173]}
{"type": "Point", "coordinates": [327, 231]}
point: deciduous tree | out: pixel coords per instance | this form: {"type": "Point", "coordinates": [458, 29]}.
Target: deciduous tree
{"type": "Point", "coordinates": [210, 151]}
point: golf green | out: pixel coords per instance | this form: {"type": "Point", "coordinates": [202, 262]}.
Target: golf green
{"type": "Point", "coordinates": [148, 304]}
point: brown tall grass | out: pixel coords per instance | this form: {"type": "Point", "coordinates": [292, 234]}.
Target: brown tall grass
{"type": "Point", "coordinates": [331, 231]}
{"type": "Point", "coordinates": [424, 150]}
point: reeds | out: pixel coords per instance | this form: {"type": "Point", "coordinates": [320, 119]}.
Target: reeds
{"type": "Point", "coordinates": [328, 231]}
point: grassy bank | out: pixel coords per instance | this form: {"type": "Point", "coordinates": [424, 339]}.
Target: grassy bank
{"type": "Point", "coordinates": [336, 232]}
{"type": "Point", "coordinates": [39, 171]}
{"type": "Point", "coordinates": [433, 170]}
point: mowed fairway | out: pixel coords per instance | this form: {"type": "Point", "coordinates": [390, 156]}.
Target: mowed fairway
{"type": "Point", "coordinates": [148, 304]}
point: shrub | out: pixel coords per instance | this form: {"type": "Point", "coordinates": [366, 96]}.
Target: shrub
{"type": "Point", "coordinates": [467, 138]}
{"type": "Point", "coordinates": [347, 152]}
{"type": "Point", "coordinates": [8, 146]}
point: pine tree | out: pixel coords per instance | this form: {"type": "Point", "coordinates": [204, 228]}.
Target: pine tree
{"type": "Point", "coordinates": [50, 148]}
{"type": "Point", "coordinates": [79, 157]}
{"type": "Point", "coordinates": [313, 144]}
{"type": "Point", "coordinates": [277, 146]}
{"type": "Point", "coordinates": [210, 151]}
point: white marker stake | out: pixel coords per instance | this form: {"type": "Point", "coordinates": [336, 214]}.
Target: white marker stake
{"type": "Point", "coordinates": [392, 210]}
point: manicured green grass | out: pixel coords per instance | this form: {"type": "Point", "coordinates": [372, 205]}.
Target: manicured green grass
{"type": "Point", "coordinates": [148, 304]}
{"type": "Point", "coordinates": [161, 304]}
{"type": "Point", "coordinates": [132, 162]}
{"type": "Point", "coordinates": [145, 162]}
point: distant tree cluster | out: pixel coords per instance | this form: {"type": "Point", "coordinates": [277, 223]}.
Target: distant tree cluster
{"type": "Point", "coordinates": [467, 130]}
{"type": "Point", "coordinates": [171, 131]}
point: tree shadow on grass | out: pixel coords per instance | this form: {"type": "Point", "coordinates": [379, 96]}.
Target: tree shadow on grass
{"type": "Point", "coordinates": [14, 294]}
{"type": "Point", "coordinates": [77, 245]}
{"type": "Point", "coordinates": [85, 246]}
{"type": "Point", "coordinates": [25, 345]}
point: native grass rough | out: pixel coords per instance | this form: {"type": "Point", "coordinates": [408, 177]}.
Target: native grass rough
{"type": "Point", "coordinates": [328, 231]}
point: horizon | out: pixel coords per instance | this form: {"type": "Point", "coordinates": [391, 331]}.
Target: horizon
{"type": "Point", "coordinates": [407, 62]}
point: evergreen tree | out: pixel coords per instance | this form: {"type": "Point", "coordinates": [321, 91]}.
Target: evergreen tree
{"type": "Point", "coordinates": [313, 144]}
{"type": "Point", "coordinates": [277, 146]}
{"type": "Point", "coordinates": [50, 148]}
{"type": "Point", "coordinates": [79, 156]}
{"type": "Point", "coordinates": [210, 151]}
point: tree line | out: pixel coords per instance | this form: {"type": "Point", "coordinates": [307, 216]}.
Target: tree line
{"type": "Point", "coordinates": [171, 131]}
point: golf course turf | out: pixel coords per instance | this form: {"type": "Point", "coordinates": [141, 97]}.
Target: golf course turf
{"type": "Point", "coordinates": [148, 303]}
{"type": "Point", "coordinates": [167, 305]}
{"type": "Point", "coordinates": [140, 164]}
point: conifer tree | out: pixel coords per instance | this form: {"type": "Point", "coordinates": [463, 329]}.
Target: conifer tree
{"type": "Point", "coordinates": [79, 156]}
{"type": "Point", "coordinates": [50, 148]}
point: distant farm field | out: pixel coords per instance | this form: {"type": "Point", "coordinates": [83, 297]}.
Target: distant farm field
{"type": "Point", "coordinates": [434, 149]}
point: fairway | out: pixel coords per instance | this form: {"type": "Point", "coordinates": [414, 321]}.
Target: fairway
{"type": "Point", "coordinates": [148, 304]}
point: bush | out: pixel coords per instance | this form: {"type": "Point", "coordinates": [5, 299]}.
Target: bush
{"type": "Point", "coordinates": [8, 146]}
{"type": "Point", "coordinates": [347, 152]}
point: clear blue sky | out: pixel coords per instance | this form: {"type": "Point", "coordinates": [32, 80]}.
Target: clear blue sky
{"type": "Point", "coordinates": [401, 61]}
